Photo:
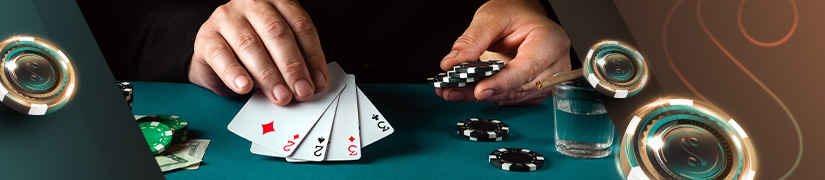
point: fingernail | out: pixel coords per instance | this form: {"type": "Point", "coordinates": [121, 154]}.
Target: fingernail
{"type": "Point", "coordinates": [451, 55]}
{"type": "Point", "coordinates": [485, 94]}
{"type": "Point", "coordinates": [281, 92]}
{"type": "Point", "coordinates": [320, 80]}
{"type": "Point", "coordinates": [456, 96]}
{"type": "Point", "coordinates": [302, 88]}
{"type": "Point", "coordinates": [241, 82]}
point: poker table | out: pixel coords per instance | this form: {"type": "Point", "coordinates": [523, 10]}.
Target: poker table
{"type": "Point", "coordinates": [425, 144]}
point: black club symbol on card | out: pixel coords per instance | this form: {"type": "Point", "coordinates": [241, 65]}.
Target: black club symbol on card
{"type": "Point", "coordinates": [375, 116]}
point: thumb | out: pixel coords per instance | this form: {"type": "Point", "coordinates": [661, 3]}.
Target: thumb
{"type": "Point", "coordinates": [539, 51]}
{"type": "Point", "coordinates": [482, 32]}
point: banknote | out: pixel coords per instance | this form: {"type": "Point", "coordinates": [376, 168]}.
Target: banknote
{"type": "Point", "coordinates": [168, 161]}
{"type": "Point", "coordinates": [193, 147]}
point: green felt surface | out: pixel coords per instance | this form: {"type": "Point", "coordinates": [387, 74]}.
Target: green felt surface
{"type": "Point", "coordinates": [425, 144]}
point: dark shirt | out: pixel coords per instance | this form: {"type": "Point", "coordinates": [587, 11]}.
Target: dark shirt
{"type": "Point", "coordinates": [378, 41]}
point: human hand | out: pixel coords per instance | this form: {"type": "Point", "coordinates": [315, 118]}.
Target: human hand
{"type": "Point", "coordinates": [519, 33]}
{"type": "Point", "coordinates": [269, 42]}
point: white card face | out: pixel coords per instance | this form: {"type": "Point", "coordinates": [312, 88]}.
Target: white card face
{"type": "Point", "coordinates": [315, 148]}
{"type": "Point", "coordinates": [282, 128]}
{"type": "Point", "coordinates": [373, 125]}
{"type": "Point", "coordinates": [345, 141]}
{"type": "Point", "coordinates": [261, 150]}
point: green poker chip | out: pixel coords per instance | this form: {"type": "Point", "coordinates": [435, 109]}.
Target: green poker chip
{"type": "Point", "coordinates": [179, 134]}
{"type": "Point", "coordinates": [158, 135]}
{"type": "Point", "coordinates": [177, 123]}
{"type": "Point", "coordinates": [177, 140]}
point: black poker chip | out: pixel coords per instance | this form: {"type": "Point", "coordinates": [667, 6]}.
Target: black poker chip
{"type": "Point", "coordinates": [127, 90]}
{"type": "Point", "coordinates": [515, 159]}
{"type": "Point", "coordinates": [469, 75]}
{"type": "Point", "coordinates": [444, 78]}
{"type": "Point", "coordinates": [479, 66]}
{"type": "Point", "coordinates": [486, 139]}
{"type": "Point", "coordinates": [482, 128]}
{"type": "Point", "coordinates": [433, 81]}
{"type": "Point", "coordinates": [466, 73]}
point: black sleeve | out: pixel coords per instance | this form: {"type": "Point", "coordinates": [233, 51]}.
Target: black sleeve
{"type": "Point", "coordinates": [147, 40]}
{"type": "Point", "coordinates": [574, 60]}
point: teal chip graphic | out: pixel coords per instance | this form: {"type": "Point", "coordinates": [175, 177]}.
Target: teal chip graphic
{"type": "Point", "coordinates": [615, 69]}
{"type": "Point", "coordinates": [685, 140]}
{"type": "Point", "coordinates": [35, 77]}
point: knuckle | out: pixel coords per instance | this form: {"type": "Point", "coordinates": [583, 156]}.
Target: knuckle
{"type": "Point", "coordinates": [221, 10]}
{"type": "Point", "coordinates": [303, 26]}
{"type": "Point", "coordinates": [277, 29]}
{"type": "Point", "coordinates": [316, 57]}
{"type": "Point", "coordinates": [466, 40]}
{"type": "Point", "coordinates": [535, 67]}
{"type": "Point", "coordinates": [215, 51]}
{"type": "Point", "coordinates": [269, 75]}
{"type": "Point", "coordinates": [293, 67]}
{"type": "Point", "coordinates": [288, 3]}
{"type": "Point", "coordinates": [250, 1]}
{"type": "Point", "coordinates": [229, 70]}
{"type": "Point", "coordinates": [246, 41]}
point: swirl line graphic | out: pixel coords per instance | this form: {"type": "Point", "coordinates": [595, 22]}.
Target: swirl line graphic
{"type": "Point", "coordinates": [742, 67]}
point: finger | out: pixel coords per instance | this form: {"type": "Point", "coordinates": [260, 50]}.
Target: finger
{"type": "Point", "coordinates": [439, 91]}
{"type": "Point", "coordinates": [307, 37]}
{"type": "Point", "coordinates": [280, 42]}
{"type": "Point", "coordinates": [248, 47]}
{"type": "Point", "coordinates": [458, 94]}
{"type": "Point", "coordinates": [482, 32]}
{"type": "Point", "coordinates": [202, 75]}
{"type": "Point", "coordinates": [218, 55]}
{"type": "Point", "coordinates": [540, 49]}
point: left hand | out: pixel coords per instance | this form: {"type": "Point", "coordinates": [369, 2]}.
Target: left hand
{"type": "Point", "coordinates": [518, 32]}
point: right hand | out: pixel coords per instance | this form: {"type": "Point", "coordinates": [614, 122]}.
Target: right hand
{"type": "Point", "coordinates": [269, 42]}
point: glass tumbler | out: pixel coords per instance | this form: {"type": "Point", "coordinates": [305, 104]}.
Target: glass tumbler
{"type": "Point", "coordinates": [583, 128]}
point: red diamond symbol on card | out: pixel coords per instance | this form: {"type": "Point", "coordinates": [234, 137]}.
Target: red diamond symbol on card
{"type": "Point", "coordinates": [268, 127]}
{"type": "Point", "coordinates": [295, 136]}
{"type": "Point", "coordinates": [351, 139]}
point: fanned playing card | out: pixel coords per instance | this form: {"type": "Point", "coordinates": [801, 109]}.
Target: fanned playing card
{"type": "Point", "coordinates": [345, 141]}
{"type": "Point", "coordinates": [315, 148]}
{"type": "Point", "coordinates": [282, 128]}
{"type": "Point", "coordinates": [326, 120]}
{"type": "Point", "coordinates": [373, 125]}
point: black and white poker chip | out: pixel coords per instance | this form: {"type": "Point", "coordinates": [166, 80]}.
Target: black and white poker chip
{"type": "Point", "coordinates": [469, 75]}
{"type": "Point", "coordinates": [466, 73]}
{"type": "Point", "coordinates": [444, 78]}
{"type": "Point", "coordinates": [433, 81]}
{"type": "Point", "coordinates": [480, 66]}
{"type": "Point", "coordinates": [516, 159]}
{"type": "Point", "coordinates": [483, 128]}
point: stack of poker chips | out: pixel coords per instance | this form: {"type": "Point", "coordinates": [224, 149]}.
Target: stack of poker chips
{"type": "Point", "coordinates": [126, 88]}
{"type": "Point", "coordinates": [177, 126]}
{"type": "Point", "coordinates": [466, 73]}
{"type": "Point", "coordinates": [479, 129]}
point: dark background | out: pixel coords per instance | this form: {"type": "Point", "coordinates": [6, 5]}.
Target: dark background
{"type": "Point", "coordinates": [378, 41]}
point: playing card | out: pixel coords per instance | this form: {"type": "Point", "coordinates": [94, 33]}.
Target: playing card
{"type": "Point", "coordinates": [282, 128]}
{"type": "Point", "coordinates": [345, 141]}
{"type": "Point", "coordinates": [260, 150]}
{"type": "Point", "coordinates": [325, 120]}
{"type": "Point", "coordinates": [373, 125]}
{"type": "Point", "coordinates": [315, 148]}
